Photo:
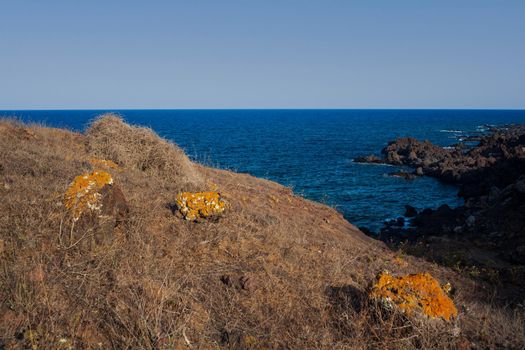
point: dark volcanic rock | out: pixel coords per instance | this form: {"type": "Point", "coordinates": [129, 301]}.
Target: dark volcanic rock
{"type": "Point", "coordinates": [409, 151]}
{"type": "Point", "coordinates": [369, 159]}
{"type": "Point", "coordinates": [403, 174]}
{"type": "Point", "coordinates": [366, 231]}
{"type": "Point", "coordinates": [498, 160]}
{"type": "Point", "coordinates": [410, 211]}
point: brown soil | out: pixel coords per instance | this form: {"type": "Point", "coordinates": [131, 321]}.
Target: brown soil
{"type": "Point", "coordinates": [273, 271]}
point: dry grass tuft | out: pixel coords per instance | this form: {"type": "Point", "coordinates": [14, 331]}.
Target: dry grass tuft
{"type": "Point", "coordinates": [140, 148]}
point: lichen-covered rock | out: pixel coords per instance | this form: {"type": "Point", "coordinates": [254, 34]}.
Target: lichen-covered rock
{"type": "Point", "coordinates": [199, 205]}
{"type": "Point", "coordinates": [97, 206]}
{"type": "Point", "coordinates": [414, 293]}
{"type": "Point", "coordinates": [83, 193]}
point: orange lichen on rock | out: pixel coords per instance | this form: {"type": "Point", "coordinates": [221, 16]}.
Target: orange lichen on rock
{"type": "Point", "coordinates": [200, 204]}
{"type": "Point", "coordinates": [95, 162]}
{"type": "Point", "coordinates": [414, 292]}
{"type": "Point", "coordinates": [83, 193]}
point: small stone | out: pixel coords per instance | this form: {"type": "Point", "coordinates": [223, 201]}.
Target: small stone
{"type": "Point", "coordinates": [494, 234]}
{"type": "Point", "coordinates": [410, 211]}
{"type": "Point", "coordinates": [37, 274]}
{"type": "Point", "coordinates": [248, 283]}
{"type": "Point", "coordinates": [458, 229]}
{"type": "Point", "coordinates": [521, 250]}
{"type": "Point", "coordinates": [419, 171]}
{"type": "Point", "coordinates": [225, 279]}
{"type": "Point", "coordinates": [471, 220]}
{"type": "Point", "coordinates": [493, 194]}
{"type": "Point", "coordinates": [403, 175]}
{"type": "Point", "coordinates": [368, 159]}
{"type": "Point", "coordinates": [520, 186]}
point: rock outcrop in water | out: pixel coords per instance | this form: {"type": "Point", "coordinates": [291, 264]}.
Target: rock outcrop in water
{"type": "Point", "coordinates": [496, 161]}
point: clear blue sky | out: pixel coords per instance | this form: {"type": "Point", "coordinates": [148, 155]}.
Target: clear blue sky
{"type": "Point", "coordinates": [262, 54]}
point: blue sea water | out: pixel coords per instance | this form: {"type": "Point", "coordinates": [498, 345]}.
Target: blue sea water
{"type": "Point", "coordinates": [310, 150]}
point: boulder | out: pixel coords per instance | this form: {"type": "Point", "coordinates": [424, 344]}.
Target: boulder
{"type": "Point", "coordinates": [414, 294]}
{"type": "Point", "coordinates": [410, 211]}
{"type": "Point", "coordinates": [96, 206]}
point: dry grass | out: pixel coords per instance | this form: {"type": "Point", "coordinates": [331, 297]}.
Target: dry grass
{"type": "Point", "coordinates": [274, 271]}
{"type": "Point", "coordinates": [110, 138]}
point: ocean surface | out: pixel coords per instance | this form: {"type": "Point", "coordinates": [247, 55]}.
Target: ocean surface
{"type": "Point", "coordinates": [310, 151]}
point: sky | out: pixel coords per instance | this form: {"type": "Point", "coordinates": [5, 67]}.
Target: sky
{"type": "Point", "coordinates": [262, 54]}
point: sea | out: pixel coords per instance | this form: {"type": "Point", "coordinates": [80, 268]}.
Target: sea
{"type": "Point", "coordinates": [310, 151]}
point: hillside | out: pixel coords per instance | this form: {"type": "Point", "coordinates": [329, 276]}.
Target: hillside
{"type": "Point", "coordinates": [274, 270]}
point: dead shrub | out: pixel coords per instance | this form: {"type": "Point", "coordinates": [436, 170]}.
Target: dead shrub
{"type": "Point", "coordinates": [140, 148]}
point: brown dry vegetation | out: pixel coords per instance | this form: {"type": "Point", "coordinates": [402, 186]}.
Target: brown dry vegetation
{"type": "Point", "coordinates": [274, 271]}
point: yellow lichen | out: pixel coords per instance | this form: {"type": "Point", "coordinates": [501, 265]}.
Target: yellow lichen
{"type": "Point", "coordinates": [447, 288]}
{"type": "Point", "coordinates": [95, 162]}
{"type": "Point", "coordinates": [250, 341]}
{"type": "Point", "coordinates": [200, 204]}
{"type": "Point", "coordinates": [83, 193]}
{"type": "Point", "coordinates": [414, 292]}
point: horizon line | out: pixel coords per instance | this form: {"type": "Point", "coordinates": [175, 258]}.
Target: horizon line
{"type": "Point", "coordinates": [261, 109]}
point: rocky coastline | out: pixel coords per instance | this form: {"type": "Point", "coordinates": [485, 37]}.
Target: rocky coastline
{"type": "Point", "coordinates": [485, 235]}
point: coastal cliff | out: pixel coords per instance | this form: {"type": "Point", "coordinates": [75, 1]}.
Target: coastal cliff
{"type": "Point", "coordinates": [98, 250]}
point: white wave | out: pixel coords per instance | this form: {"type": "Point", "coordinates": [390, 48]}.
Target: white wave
{"type": "Point", "coordinates": [483, 128]}
{"type": "Point", "coordinates": [373, 164]}
{"type": "Point", "coordinates": [453, 131]}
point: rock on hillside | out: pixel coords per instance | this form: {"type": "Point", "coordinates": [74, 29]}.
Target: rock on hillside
{"type": "Point", "coordinates": [272, 271]}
